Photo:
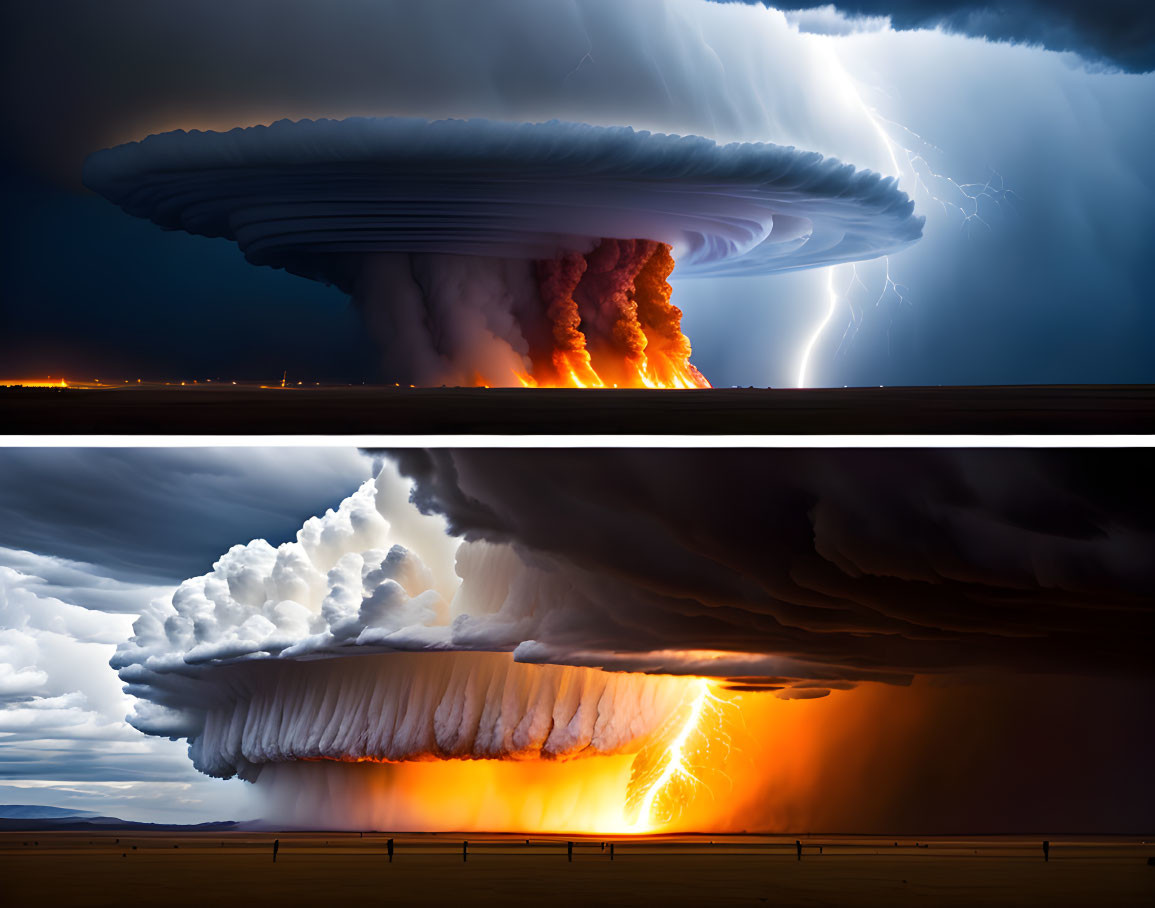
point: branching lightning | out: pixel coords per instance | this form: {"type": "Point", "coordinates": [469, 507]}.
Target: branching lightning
{"type": "Point", "coordinates": [993, 192]}
{"type": "Point", "coordinates": [589, 55]}
{"type": "Point", "coordinates": [664, 783]}
{"type": "Point", "coordinates": [971, 202]}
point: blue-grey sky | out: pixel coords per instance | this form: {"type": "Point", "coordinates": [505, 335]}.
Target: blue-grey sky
{"type": "Point", "coordinates": [1047, 283]}
{"type": "Point", "coordinates": [90, 537]}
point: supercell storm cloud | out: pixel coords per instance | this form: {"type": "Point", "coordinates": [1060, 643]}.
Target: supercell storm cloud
{"type": "Point", "coordinates": [599, 610]}
{"type": "Point", "coordinates": [350, 585]}
{"type": "Point", "coordinates": [487, 253]}
{"type": "Point", "coordinates": [346, 646]}
{"type": "Point", "coordinates": [997, 288]}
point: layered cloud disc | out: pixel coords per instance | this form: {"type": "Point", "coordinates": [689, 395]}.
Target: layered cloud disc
{"type": "Point", "coordinates": [314, 197]}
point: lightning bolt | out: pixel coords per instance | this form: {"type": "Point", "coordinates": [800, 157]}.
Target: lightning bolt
{"type": "Point", "coordinates": [666, 781]}
{"type": "Point", "coordinates": [589, 55]}
{"type": "Point", "coordinates": [971, 203]}
{"type": "Point", "coordinates": [831, 308]}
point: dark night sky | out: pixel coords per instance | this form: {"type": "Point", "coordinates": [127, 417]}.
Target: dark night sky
{"type": "Point", "coordinates": [89, 289]}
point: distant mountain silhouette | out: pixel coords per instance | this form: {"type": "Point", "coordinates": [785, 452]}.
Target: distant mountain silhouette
{"type": "Point", "coordinates": [40, 812]}
{"type": "Point", "coordinates": [42, 817]}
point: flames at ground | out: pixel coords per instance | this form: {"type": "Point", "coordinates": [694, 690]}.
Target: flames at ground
{"type": "Point", "coordinates": [574, 749]}
{"type": "Point", "coordinates": [632, 336]}
{"type": "Point", "coordinates": [598, 319]}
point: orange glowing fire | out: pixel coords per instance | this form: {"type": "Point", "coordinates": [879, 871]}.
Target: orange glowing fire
{"type": "Point", "coordinates": [669, 784]}
{"type": "Point", "coordinates": [34, 382]}
{"type": "Point", "coordinates": [612, 321]}
{"type": "Point", "coordinates": [841, 761]}
{"type": "Point", "coordinates": [50, 381]}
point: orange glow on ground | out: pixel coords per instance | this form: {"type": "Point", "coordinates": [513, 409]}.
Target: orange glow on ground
{"type": "Point", "coordinates": [608, 322]}
{"type": "Point", "coordinates": [907, 759]}
{"type": "Point", "coordinates": [52, 381]}
{"type": "Point", "coordinates": [651, 791]}
{"type": "Point", "coordinates": [727, 761]}
{"type": "Point", "coordinates": [34, 382]}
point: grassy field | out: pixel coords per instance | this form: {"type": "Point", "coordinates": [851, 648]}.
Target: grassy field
{"type": "Point", "coordinates": [210, 869]}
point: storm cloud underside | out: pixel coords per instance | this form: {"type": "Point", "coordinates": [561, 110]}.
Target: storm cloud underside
{"type": "Point", "coordinates": [1116, 32]}
{"type": "Point", "coordinates": [853, 563]}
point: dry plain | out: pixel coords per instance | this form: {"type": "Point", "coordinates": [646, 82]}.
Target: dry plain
{"type": "Point", "coordinates": [214, 868]}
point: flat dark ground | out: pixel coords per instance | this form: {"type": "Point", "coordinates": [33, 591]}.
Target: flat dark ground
{"type": "Point", "coordinates": [235, 868]}
{"type": "Point", "coordinates": [227, 410]}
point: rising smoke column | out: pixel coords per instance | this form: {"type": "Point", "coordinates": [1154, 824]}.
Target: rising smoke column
{"type": "Point", "coordinates": [632, 334]}
{"type": "Point", "coordinates": [489, 253]}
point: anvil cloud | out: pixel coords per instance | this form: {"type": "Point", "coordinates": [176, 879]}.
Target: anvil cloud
{"type": "Point", "coordinates": [820, 564]}
{"type": "Point", "coordinates": [309, 196]}
{"type": "Point", "coordinates": [254, 661]}
{"type": "Point", "coordinates": [799, 572]}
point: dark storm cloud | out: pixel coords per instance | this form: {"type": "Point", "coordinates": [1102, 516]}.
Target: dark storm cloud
{"type": "Point", "coordinates": [291, 193]}
{"type": "Point", "coordinates": [836, 564]}
{"type": "Point", "coordinates": [76, 76]}
{"type": "Point", "coordinates": [161, 514]}
{"type": "Point", "coordinates": [1121, 32]}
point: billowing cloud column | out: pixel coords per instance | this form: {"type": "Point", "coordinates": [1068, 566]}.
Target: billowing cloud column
{"type": "Point", "coordinates": [341, 646]}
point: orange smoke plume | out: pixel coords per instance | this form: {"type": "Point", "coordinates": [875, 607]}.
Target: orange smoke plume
{"type": "Point", "coordinates": [612, 320]}
{"type": "Point", "coordinates": [667, 348]}
{"type": "Point", "coordinates": [557, 281]}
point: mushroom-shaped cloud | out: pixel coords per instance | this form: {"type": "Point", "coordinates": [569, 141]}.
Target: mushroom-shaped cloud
{"type": "Point", "coordinates": [498, 253]}
{"type": "Point", "coordinates": [349, 645]}
{"type": "Point", "coordinates": [357, 643]}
